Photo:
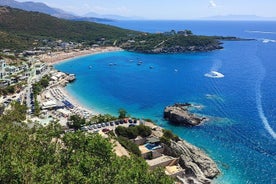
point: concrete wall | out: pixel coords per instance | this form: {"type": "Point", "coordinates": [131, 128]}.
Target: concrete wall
{"type": "Point", "coordinates": [165, 163]}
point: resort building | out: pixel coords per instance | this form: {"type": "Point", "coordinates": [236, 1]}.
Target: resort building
{"type": "Point", "coordinates": [40, 68]}
{"type": "Point", "coordinates": [2, 68]}
{"type": "Point", "coordinates": [152, 149]}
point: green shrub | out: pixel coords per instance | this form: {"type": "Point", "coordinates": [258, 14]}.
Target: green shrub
{"type": "Point", "coordinates": [130, 132]}
{"type": "Point", "coordinates": [168, 136]}
{"type": "Point", "coordinates": [130, 146]}
{"type": "Point", "coordinates": [133, 132]}
{"type": "Point", "coordinates": [143, 131]}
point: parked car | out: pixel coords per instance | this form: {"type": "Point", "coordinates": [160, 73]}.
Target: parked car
{"type": "Point", "coordinates": [84, 129]}
{"type": "Point", "coordinates": [105, 130]}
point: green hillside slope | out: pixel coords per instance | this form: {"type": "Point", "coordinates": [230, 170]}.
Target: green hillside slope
{"type": "Point", "coordinates": [19, 29]}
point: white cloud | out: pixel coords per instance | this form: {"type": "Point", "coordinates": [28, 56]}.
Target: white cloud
{"type": "Point", "coordinates": [212, 4]}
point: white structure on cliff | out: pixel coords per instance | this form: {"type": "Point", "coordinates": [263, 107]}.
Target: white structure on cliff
{"type": "Point", "coordinates": [2, 68]}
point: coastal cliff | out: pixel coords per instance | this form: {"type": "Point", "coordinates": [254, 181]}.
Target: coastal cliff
{"type": "Point", "coordinates": [171, 43]}
{"type": "Point", "coordinates": [179, 114]}
{"type": "Point", "coordinates": [182, 49]}
{"type": "Point", "coordinates": [199, 168]}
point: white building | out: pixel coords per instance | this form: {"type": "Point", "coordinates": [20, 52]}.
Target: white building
{"type": "Point", "coordinates": [2, 68]}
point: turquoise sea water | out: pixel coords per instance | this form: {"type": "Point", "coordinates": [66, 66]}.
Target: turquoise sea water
{"type": "Point", "coordinates": [241, 106]}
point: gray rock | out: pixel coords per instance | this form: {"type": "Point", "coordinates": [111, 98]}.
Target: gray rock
{"type": "Point", "coordinates": [196, 163]}
{"type": "Point", "coordinates": [179, 114]}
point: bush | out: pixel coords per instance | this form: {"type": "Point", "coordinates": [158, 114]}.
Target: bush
{"type": "Point", "coordinates": [130, 146]}
{"type": "Point", "coordinates": [143, 131]}
{"type": "Point", "coordinates": [101, 118]}
{"type": "Point", "coordinates": [133, 132]}
{"type": "Point", "coordinates": [168, 136]}
{"type": "Point", "coordinates": [130, 132]}
{"type": "Point", "coordinates": [76, 122]}
{"type": "Point", "coordinates": [165, 140]}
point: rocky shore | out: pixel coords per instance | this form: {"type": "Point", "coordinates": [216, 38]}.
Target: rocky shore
{"type": "Point", "coordinates": [183, 49]}
{"type": "Point", "coordinates": [199, 168]}
{"type": "Point", "coordinates": [179, 114]}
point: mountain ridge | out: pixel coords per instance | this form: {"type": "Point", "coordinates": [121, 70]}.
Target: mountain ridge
{"type": "Point", "coordinates": [37, 7]}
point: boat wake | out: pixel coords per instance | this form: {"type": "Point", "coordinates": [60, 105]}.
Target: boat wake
{"type": "Point", "coordinates": [214, 70]}
{"type": "Point", "coordinates": [260, 107]}
{"type": "Point", "coordinates": [268, 40]}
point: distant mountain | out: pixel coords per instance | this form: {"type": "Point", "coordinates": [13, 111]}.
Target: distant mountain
{"type": "Point", "coordinates": [239, 17]}
{"type": "Point", "coordinates": [43, 8]}
{"type": "Point", "coordinates": [111, 17]}
{"type": "Point", "coordinates": [37, 7]}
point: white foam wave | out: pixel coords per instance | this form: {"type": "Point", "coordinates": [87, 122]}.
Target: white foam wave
{"type": "Point", "coordinates": [260, 108]}
{"type": "Point", "coordinates": [261, 32]}
{"type": "Point", "coordinates": [268, 40]}
{"type": "Point", "coordinates": [214, 74]}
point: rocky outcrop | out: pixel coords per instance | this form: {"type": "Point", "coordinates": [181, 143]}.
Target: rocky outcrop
{"type": "Point", "coordinates": [71, 78]}
{"type": "Point", "coordinates": [183, 49]}
{"type": "Point", "coordinates": [179, 114]}
{"type": "Point", "coordinates": [199, 168]}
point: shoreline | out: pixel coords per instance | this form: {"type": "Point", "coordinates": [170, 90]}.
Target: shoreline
{"type": "Point", "coordinates": [81, 109]}
{"type": "Point", "coordinates": [77, 102]}
{"type": "Point", "coordinates": [61, 56]}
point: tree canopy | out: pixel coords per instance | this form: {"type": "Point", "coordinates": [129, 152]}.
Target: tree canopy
{"type": "Point", "coordinates": [43, 155]}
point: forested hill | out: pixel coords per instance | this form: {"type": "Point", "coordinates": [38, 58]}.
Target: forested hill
{"type": "Point", "coordinates": [19, 29]}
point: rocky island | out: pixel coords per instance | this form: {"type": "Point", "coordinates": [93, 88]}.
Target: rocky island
{"type": "Point", "coordinates": [179, 114]}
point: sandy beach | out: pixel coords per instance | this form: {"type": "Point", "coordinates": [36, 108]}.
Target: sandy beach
{"type": "Point", "coordinates": [57, 57]}
{"type": "Point", "coordinates": [76, 103]}
{"type": "Point", "coordinates": [60, 91]}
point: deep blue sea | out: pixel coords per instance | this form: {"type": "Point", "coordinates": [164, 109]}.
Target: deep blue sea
{"type": "Point", "coordinates": [242, 105]}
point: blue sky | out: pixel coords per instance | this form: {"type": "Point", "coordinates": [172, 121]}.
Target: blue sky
{"type": "Point", "coordinates": [167, 9]}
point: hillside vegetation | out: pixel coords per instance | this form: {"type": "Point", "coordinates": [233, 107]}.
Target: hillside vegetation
{"type": "Point", "coordinates": [19, 29]}
{"type": "Point", "coordinates": [171, 43]}
{"type": "Point", "coordinates": [42, 155]}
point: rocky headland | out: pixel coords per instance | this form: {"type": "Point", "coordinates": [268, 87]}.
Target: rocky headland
{"type": "Point", "coordinates": [183, 49]}
{"type": "Point", "coordinates": [199, 167]}
{"type": "Point", "coordinates": [179, 114]}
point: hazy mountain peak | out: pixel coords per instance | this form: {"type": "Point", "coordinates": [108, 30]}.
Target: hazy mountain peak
{"type": "Point", "coordinates": [38, 7]}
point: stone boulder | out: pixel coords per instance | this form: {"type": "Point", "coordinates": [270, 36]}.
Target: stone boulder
{"type": "Point", "coordinates": [179, 114]}
{"type": "Point", "coordinates": [197, 164]}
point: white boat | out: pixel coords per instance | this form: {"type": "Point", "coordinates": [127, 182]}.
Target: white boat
{"type": "Point", "coordinates": [214, 74]}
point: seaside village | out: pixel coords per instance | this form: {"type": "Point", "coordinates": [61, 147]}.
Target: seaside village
{"type": "Point", "coordinates": [18, 81]}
